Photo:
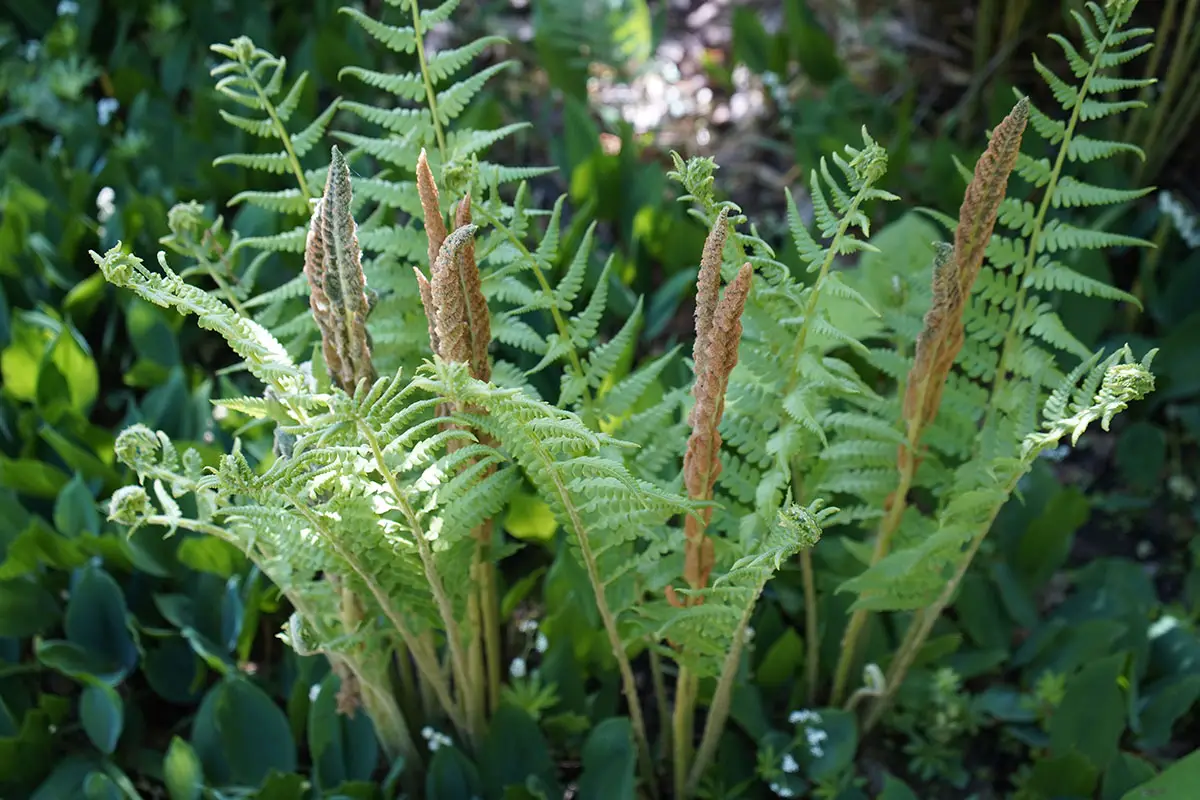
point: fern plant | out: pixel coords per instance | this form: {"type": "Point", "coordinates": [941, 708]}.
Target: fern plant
{"type": "Point", "coordinates": [418, 419]}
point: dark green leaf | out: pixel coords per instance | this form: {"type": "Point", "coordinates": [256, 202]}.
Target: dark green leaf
{"type": "Point", "coordinates": [98, 786]}
{"type": "Point", "coordinates": [75, 510]}
{"type": "Point", "coordinates": [26, 608]}
{"type": "Point", "coordinates": [1091, 717]}
{"type": "Point", "coordinates": [1126, 772]}
{"type": "Point", "coordinates": [103, 715]}
{"type": "Point", "coordinates": [1163, 703]}
{"type": "Point", "coordinates": [782, 661]}
{"type": "Point", "coordinates": [96, 618]}
{"type": "Point", "coordinates": [1044, 546]}
{"type": "Point", "coordinates": [1070, 775]}
{"type": "Point", "coordinates": [609, 760]}
{"type": "Point", "coordinates": [342, 748]}
{"type": "Point", "coordinates": [240, 734]}
{"type": "Point", "coordinates": [1177, 782]}
{"type": "Point", "coordinates": [452, 776]}
{"type": "Point", "coordinates": [513, 751]}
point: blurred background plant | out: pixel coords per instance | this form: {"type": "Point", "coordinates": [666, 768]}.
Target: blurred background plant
{"type": "Point", "coordinates": [131, 663]}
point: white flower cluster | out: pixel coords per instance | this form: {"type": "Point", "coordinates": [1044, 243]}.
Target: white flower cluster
{"type": "Point", "coordinates": [813, 735]}
{"type": "Point", "coordinates": [782, 791]}
{"type": "Point", "coordinates": [517, 668]}
{"type": "Point", "coordinates": [435, 738]}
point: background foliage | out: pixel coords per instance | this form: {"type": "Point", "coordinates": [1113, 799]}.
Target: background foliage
{"type": "Point", "coordinates": [129, 664]}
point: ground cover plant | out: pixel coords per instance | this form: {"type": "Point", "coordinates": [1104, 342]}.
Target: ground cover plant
{"type": "Point", "coordinates": [513, 547]}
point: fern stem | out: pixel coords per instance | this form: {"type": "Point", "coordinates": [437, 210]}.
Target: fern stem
{"type": "Point", "coordinates": [490, 603]}
{"type": "Point", "coordinates": [921, 626]}
{"type": "Point", "coordinates": [559, 323]}
{"type": "Point", "coordinates": [815, 295]}
{"type": "Point", "coordinates": [683, 728]}
{"type": "Point", "coordinates": [660, 695]}
{"type": "Point", "coordinates": [282, 130]}
{"type": "Point", "coordinates": [458, 661]}
{"type": "Point", "coordinates": [812, 638]}
{"type": "Point", "coordinates": [883, 540]}
{"type": "Point", "coordinates": [426, 663]}
{"type": "Point", "coordinates": [718, 709]}
{"type": "Point", "coordinates": [1011, 337]}
{"type": "Point", "coordinates": [628, 684]}
{"type": "Point", "coordinates": [430, 95]}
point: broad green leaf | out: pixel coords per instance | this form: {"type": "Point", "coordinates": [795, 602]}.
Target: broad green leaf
{"type": "Point", "coordinates": [96, 618]}
{"type": "Point", "coordinates": [1091, 717]}
{"type": "Point", "coordinates": [515, 749]}
{"type": "Point", "coordinates": [240, 734]}
{"type": "Point", "coordinates": [75, 509]}
{"type": "Point", "coordinates": [452, 776]}
{"type": "Point", "coordinates": [182, 772]}
{"type": "Point", "coordinates": [1126, 772]}
{"type": "Point", "coordinates": [1177, 782]}
{"type": "Point", "coordinates": [782, 661]}
{"type": "Point", "coordinates": [609, 760]}
{"type": "Point", "coordinates": [342, 748]}
{"type": "Point", "coordinates": [26, 608]}
{"type": "Point", "coordinates": [103, 715]}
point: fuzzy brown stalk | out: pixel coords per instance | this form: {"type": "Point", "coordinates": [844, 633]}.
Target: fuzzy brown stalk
{"type": "Point", "coordinates": [715, 353]}
{"type": "Point", "coordinates": [435, 225]}
{"type": "Point", "coordinates": [702, 461]}
{"type": "Point", "coordinates": [954, 272]}
{"type": "Point", "coordinates": [460, 330]}
{"type": "Point", "coordinates": [718, 332]}
{"type": "Point", "coordinates": [942, 338]}
{"type": "Point", "coordinates": [333, 266]}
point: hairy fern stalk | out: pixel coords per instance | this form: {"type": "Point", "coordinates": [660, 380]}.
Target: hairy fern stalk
{"type": "Point", "coordinates": [451, 357]}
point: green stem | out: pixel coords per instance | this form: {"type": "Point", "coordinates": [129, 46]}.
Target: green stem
{"type": "Point", "coordinates": [883, 540]}
{"type": "Point", "coordinates": [683, 728]}
{"type": "Point", "coordinates": [426, 663]}
{"type": "Point", "coordinates": [718, 710]}
{"type": "Point", "coordinates": [282, 130]}
{"type": "Point", "coordinates": [490, 602]}
{"type": "Point", "coordinates": [458, 659]}
{"type": "Point", "coordinates": [660, 696]}
{"type": "Point", "coordinates": [628, 683]}
{"type": "Point", "coordinates": [812, 638]}
{"type": "Point", "coordinates": [918, 632]}
{"type": "Point", "coordinates": [430, 94]}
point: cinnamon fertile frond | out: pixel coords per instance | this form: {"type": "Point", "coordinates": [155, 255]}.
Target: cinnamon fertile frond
{"type": "Point", "coordinates": [955, 271]}
{"type": "Point", "coordinates": [718, 333]}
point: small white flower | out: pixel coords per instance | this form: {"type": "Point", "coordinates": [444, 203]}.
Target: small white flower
{"type": "Point", "coordinates": [541, 644]}
{"type": "Point", "coordinates": [803, 717]}
{"type": "Point", "coordinates": [105, 108]}
{"type": "Point", "coordinates": [427, 732]}
{"type": "Point", "coordinates": [67, 8]}
{"type": "Point", "coordinates": [314, 692]}
{"type": "Point", "coordinates": [31, 49]}
{"type": "Point", "coordinates": [105, 206]}
{"type": "Point", "coordinates": [782, 791]}
{"type": "Point", "coordinates": [789, 763]}
{"type": "Point", "coordinates": [528, 625]}
{"type": "Point", "coordinates": [517, 668]}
